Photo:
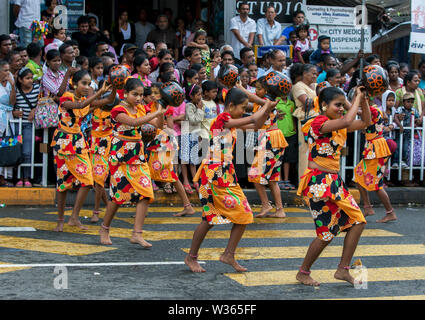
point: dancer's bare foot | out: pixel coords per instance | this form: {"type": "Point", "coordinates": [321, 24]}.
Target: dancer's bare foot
{"type": "Point", "coordinates": [137, 238]}
{"type": "Point", "coordinates": [95, 217]}
{"type": "Point", "coordinates": [104, 235]}
{"type": "Point", "coordinates": [229, 259]}
{"type": "Point", "coordinates": [305, 279]}
{"type": "Point", "coordinates": [368, 211]}
{"type": "Point", "coordinates": [192, 263]}
{"type": "Point", "coordinates": [76, 223]}
{"type": "Point", "coordinates": [280, 213]}
{"type": "Point", "coordinates": [59, 227]}
{"type": "Point", "coordinates": [343, 273]}
{"type": "Point", "coordinates": [389, 216]}
{"type": "Point", "coordinates": [264, 211]}
{"type": "Point", "coordinates": [187, 211]}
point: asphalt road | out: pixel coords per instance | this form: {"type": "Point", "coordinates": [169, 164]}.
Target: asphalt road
{"type": "Point", "coordinates": [272, 250]}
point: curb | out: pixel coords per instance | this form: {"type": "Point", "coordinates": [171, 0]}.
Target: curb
{"type": "Point", "coordinates": [47, 197]}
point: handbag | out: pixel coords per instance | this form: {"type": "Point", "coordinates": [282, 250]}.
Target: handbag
{"type": "Point", "coordinates": [11, 150]}
{"type": "Point", "coordinates": [46, 112]}
{"type": "Point", "coordinates": [309, 104]}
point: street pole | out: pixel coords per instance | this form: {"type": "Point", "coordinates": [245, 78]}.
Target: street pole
{"type": "Point", "coordinates": [362, 37]}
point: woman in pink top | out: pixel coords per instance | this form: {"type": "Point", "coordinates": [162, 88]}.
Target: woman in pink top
{"type": "Point", "coordinates": [143, 68]}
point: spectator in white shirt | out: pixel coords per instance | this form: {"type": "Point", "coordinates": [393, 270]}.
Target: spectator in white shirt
{"type": "Point", "coordinates": [269, 31]}
{"type": "Point", "coordinates": [243, 29]}
{"type": "Point", "coordinates": [26, 12]}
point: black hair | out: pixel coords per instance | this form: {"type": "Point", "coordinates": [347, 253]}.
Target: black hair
{"type": "Point", "coordinates": [78, 76]}
{"type": "Point", "coordinates": [94, 61]}
{"type": "Point", "coordinates": [191, 90]}
{"type": "Point", "coordinates": [132, 84]}
{"type": "Point", "coordinates": [11, 54]}
{"type": "Point", "coordinates": [147, 91]}
{"type": "Point", "coordinates": [302, 27]}
{"type": "Point", "coordinates": [163, 53]}
{"type": "Point", "coordinates": [307, 67]}
{"type": "Point", "coordinates": [33, 50]}
{"type": "Point", "coordinates": [329, 94]}
{"type": "Point", "coordinates": [165, 67]}
{"type": "Point", "coordinates": [421, 63]}
{"type": "Point", "coordinates": [243, 51]}
{"type": "Point", "coordinates": [261, 80]}
{"type": "Point", "coordinates": [63, 47]}
{"type": "Point", "coordinates": [199, 33]}
{"type": "Point", "coordinates": [108, 54]}
{"type": "Point", "coordinates": [138, 60]}
{"type": "Point", "coordinates": [197, 67]}
{"type": "Point", "coordinates": [409, 76]}
{"type": "Point", "coordinates": [101, 43]}
{"type": "Point", "coordinates": [51, 54]}
{"type": "Point", "coordinates": [72, 43]}
{"type": "Point", "coordinates": [82, 19]}
{"type": "Point", "coordinates": [81, 60]}
{"type": "Point", "coordinates": [209, 85]}
{"type": "Point", "coordinates": [166, 76]}
{"type": "Point", "coordinates": [372, 57]}
{"type": "Point", "coordinates": [56, 31]}
{"type": "Point", "coordinates": [228, 52]}
{"type": "Point", "coordinates": [242, 3]}
{"type": "Point", "coordinates": [235, 96]}
{"type": "Point", "coordinates": [4, 37]}
{"type": "Point", "coordinates": [295, 71]}
{"type": "Point", "coordinates": [189, 73]}
{"type": "Point", "coordinates": [331, 73]}
{"type": "Point", "coordinates": [297, 13]}
{"type": "Point", "coordinates": [22, 75]}
{"type": "Point", "coordinates": [325, 56]}
{"type": "Point", "coordinates": [188, 51]}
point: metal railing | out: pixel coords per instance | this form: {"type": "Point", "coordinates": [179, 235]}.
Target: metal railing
{"type": "Point", "coordinates": [32, 164]}
{"type": "Point", "coordinates": [358, 149]}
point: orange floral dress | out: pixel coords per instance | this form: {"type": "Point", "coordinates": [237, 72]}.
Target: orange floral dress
{"type": "Point", "coordinates": [161, 152]}
{"type": "Point", "coordinates": [222, 199]}
{"type": "Point", "coordinates": [269, 152]}
{"type": "Point", "coordinates": [100, 145]}
{"type": "Point", "coordinates": [70, 149]}
{"type": "Point", "coordinates": [130, 176]}
{"type": "Point", "coordinates": [369, 172]}
{"type": "Point", "coordinates": [332, 206]}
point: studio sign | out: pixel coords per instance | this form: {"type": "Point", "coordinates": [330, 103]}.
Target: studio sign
{"type": "Point", "coordinates": [284, 9]}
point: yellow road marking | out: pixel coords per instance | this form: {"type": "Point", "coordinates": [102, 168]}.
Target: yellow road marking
{"type": "Point", "coordinates": [299, 252]}
{"type": "Point", "coordinates": [50, 246]}
{"type": "Point", "coordinates": [179, 235]}
{"type": "Point", "coordinates": [198, 219]}
{"type": "Point", "coordinates": [273, 278]}
{"type": "Point", "coordinates": [4, 270]}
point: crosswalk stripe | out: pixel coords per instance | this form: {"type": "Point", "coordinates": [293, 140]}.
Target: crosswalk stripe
{"type": "Point", "coordinates": [179, 235]}
{"type": "Point", "coordinates": [11, 269]}
{"type": "Point", "coordinates": [248, 253]}
{"type": "Point", "coordinates": [273, 278]}
{"type": "Point", "coordinates": [50, 246]}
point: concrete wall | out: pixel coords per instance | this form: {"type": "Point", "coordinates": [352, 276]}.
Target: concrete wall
{"type": "Point", "coordinates": [4, 16]}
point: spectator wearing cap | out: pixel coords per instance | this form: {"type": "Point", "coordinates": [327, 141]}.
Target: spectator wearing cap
{"type": "Point", "coordinates": [86, 40]}
{"type": "Point", "coordinates": [323, 47]}
{"type": "Point", "coordinates": [149, 48]}
{"type": "Point", "coordinates": [127, 57]}
{"type": "Point", "coordinates": [26, 11]}
{"type": "Point", "coordinates": [165, 34]}
{"type": "Point", "coordinates": [142, 28]}
{"type": "Point", "coordinates": [123, 32]}
{"type": "Point", "coordinates": [269, 31]}
{"type": "Point", "coordinates": [243, 29]}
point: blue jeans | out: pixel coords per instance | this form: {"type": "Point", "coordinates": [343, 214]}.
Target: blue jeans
{"type": "Point", "coordinates": [25, 36]}
{"type": "Point", "coordinates": [27, 147]}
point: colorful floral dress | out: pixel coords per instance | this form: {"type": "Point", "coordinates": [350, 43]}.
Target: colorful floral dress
{"type": "Point", "coordinates": [160, 153]}
{"type": "Point", "coordinates": [269, 153]}
{"type": "Point", "coordinates": [332, 206]}
{"type": "Point", "coordinates": [100, 145]}
{"type": "Point", "coordinates": [70, 149]}
{"type": "Point", "coordinates": [130, 176]}
{"type": "Point", "coordinates": [369, 172]}
{"type": "Point", "coordinates": [222, 199]}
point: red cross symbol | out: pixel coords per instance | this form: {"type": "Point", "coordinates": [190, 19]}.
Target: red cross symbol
{"type": "Point", "coordinates": [313, 34]}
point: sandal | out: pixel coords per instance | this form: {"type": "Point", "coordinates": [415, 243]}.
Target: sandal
{"type": "Point", "coordinates": [187, 188]}
{"type": "Point", "coordinates": [27, 184]}
{"type": "Point", "coordinates": [20, 184]}
{"type": "Point", "coordinates": [6, 184]}
{"type": "Point", "coordinates": [168, 188]}
{"type": "Point", "coordinates": [196, 186]}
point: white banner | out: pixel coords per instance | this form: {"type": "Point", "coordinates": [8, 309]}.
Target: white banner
{"type": "Point", "coordinates": [343, 39]}
{"type": "Point", "coordinates": [417, 36]}
{"type": "Point", "coordinates": [327, 15]}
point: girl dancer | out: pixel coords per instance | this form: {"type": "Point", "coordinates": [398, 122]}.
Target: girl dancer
{"type": "Point", "coordinates": [70, 149]}
{"type": "Point", "coordinates": [331, 204]}
{"type": "Point", "coordinates": [369, 172]}
{"type": "Point", "coordinates": [130, 178]}
{"type": "Point", "coordinates": [221, 196]}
